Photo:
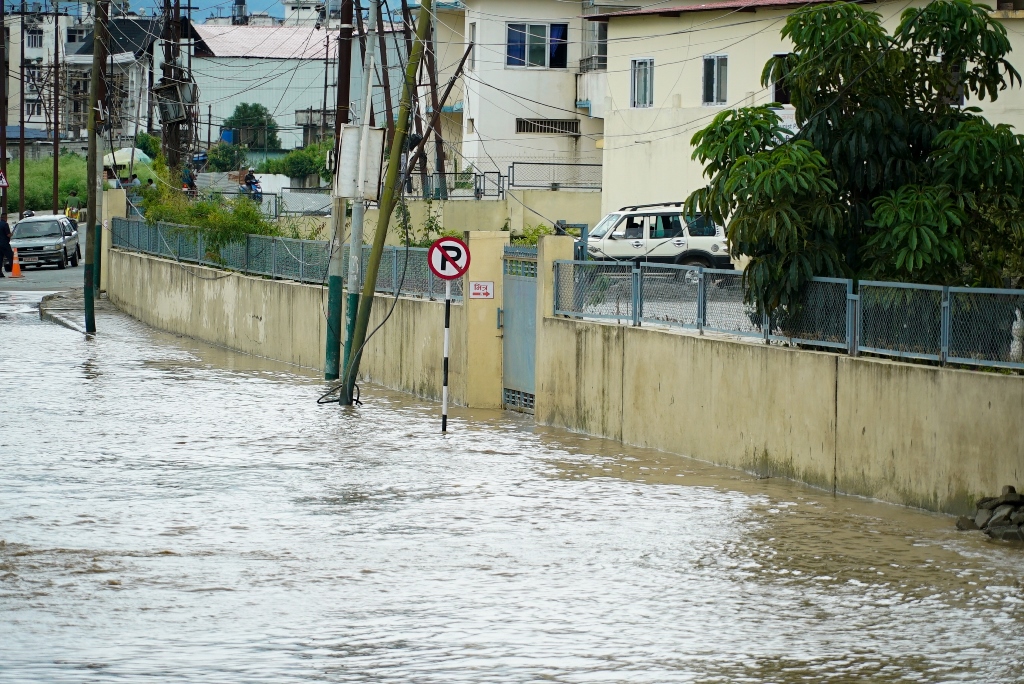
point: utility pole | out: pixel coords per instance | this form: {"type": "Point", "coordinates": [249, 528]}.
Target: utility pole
{"type": "Point", "coordinates": [21, 104]}
{"type": "Point", "coordinates": [170, 131]}
{"type": "Point", "coordinates": [96, 98]}
{"type": "Point", "coordinates": [386, 203]}
{"type": "Point", "coordinates": [359, 201]}
{"type": "Point", "coordinates": [3, 113]}
{"type": "Point", "coordinates": [341, 117]}
{"type": "Point", "coordinates": [56, 105]}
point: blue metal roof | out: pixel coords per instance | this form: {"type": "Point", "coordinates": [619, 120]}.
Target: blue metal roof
{"type": "Point", "coordinates": [14, 133]}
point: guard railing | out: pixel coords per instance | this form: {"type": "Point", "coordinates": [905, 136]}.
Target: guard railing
{"type": "Point", "coordinates": [971, 326]}
{"type": "Point", "coordinates": [402, 271]}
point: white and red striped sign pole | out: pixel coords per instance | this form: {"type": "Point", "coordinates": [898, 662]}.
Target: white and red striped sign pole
{"type": "Point", "coordinates": [448, 259]}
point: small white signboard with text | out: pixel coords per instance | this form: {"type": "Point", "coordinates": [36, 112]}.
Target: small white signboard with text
{"type": "Point", "coordinates": [481, 289]}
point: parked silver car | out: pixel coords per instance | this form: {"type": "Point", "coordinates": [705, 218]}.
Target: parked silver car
{"type": "Point", "coordinates": [46, 240]}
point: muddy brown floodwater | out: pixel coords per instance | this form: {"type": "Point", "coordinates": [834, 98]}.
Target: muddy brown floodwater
{"type": "Point", "coordinates": [174, 512]}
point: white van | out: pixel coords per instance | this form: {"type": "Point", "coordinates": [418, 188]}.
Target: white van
{"type": "Point", "coordinates": [659, 233]}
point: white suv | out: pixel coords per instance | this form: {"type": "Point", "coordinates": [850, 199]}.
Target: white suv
{"type": "Point", "coordinates": [659, 233]}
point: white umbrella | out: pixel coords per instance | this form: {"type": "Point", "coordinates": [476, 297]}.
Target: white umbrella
{"type": "Point", "coordinates": [123, 157]}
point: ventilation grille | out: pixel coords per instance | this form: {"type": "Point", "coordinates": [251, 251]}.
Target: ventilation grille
{"type": "Point", "coordinates": [560, 126]}
{"type": "Point", "coordinates": [518, 401]}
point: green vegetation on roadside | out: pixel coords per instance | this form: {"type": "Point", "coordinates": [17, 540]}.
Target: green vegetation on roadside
{"type": "Point", "coordinates": [39, 182]}
{"type": "Point", "coordinates": [888, 176]}
{"type": "Point", "coordinates": [222, 221]}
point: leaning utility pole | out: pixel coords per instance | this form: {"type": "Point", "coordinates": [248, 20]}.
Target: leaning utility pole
{"type": "Point", "coordinates": [96, 98]}
{"type": "Point", "coordinates": [3, 109]}
{"type": "Point", "coordinates": [341, 117]}
{"type": "Point", "coordinates": [21, 109]}
{"type": "Point", "coordinates": [56, 105]}
{"type": "Point", "coordinates": [359, 201]}
{"type": "Point", "coordinates": [386, 203]}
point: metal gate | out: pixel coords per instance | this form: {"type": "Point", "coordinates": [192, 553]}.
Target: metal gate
{"type": "Point", "coordinates": [519, 327]}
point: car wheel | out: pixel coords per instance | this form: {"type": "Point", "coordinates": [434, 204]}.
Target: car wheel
{"type": "Point", "coordinates": [74, 258]}
{"type": "Point", "coordinates": [63, 263]}
{"type": "Point", "coordinates": [78, 251]}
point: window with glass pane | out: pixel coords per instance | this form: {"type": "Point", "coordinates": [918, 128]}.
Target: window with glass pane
{"type": "Point", "coordinates": [515, 54]}
{"type": "Point", "coordinates": [642, 83]}
{"type": "Point", "coordinates": [537, 45]}
{"type": "Point", "coordinates": [716, 72]}
{"type": "Point", "coordinates": [472, 50]}
{"type": "Point", "coordinates": [558, 50]}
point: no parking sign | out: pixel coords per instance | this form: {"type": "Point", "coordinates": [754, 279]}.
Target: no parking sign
{"type": "Point", "coordinates": [448, 259]}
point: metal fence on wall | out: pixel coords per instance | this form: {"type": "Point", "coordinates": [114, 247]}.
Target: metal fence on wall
{"type": "Point", "coordinates": [455, 185]}
{"type": "Point", "coordinates": [553, 175]}
{"type": "Point", "coordinates": [962, 325]}
{"type": "Point", "coordinates": [403, 271]}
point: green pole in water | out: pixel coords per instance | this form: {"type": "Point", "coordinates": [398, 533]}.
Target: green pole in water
{"type": "Point", "coordinates": [92, 236]}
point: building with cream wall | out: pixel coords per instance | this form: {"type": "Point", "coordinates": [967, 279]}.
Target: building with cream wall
{"type": "Point", "coordinates": [647, 151]}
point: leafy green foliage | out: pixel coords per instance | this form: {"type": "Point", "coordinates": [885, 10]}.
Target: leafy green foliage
{"type": "Point", "coordinates": [150, 144]}
{"type": "Point", "coordinates": [221, 221]}
{"type": "Point", "coordinates": [225, 157]}
{"type": "Point", "coordinates": [301, 163]}
{"type": "Point", "coordinates": [250, 115]}
{"type": "Point", "coordinates": [531, 234]}
{"type": "Point", "coordinates": [887, 176]}
{"type": "Point", "coordinates": [72, 172]}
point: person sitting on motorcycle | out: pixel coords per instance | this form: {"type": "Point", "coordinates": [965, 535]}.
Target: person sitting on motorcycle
{"type": "Point", "coordinates": [250, 179]}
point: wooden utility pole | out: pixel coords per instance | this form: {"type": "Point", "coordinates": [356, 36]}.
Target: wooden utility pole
{"type": "Point", "coordinates": [385, 80]}
{"type": "Point", "coordinates": [441, 192]}
{"type": "Point", "coordinates": [97, 96]}
{"type": "Point", "coordinates": [171, 137]}
{"type": "Point", "coordinates": [335, 277]}
{"type": "Point", "coordinates": [21, 109]}
{"type": "Point", "coordinates": [3, 114]}
{"type": "Point", "coordinates": [56, 106]}
{"type": "Point", "coordinates": [387, 203]}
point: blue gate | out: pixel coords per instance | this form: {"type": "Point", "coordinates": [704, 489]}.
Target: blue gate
{"type": "Point", "coordinates": [519, 327]}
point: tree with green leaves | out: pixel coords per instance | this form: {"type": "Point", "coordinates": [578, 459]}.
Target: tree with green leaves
{"type": "Point", "coordinates": [888, 175]}
{"type": "Point", "coordinates": [256, 126]}
{"type": "Point", "coordinates": [149, 144]}
{"type": "Point", "coordinates": [225, 157]}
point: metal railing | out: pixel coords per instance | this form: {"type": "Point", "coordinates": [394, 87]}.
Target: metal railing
{"type": "Point", "coordinates": [305, 261]}
{"type": "Point", "coordinates": [554, 175]}
{"type": "Point", "coordinates": [971, 326]}
{"type": "Point", "coordinates": [455, 185]}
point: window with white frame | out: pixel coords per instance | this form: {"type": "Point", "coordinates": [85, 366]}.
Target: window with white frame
{"type": "Point", "coordinates": [34, 108]}
{"type": "Point", "coordinates": [537, 45]}
{"type": "Point", "coordinates": [716, 79]}
{"type": "Point", "coordinates": [35, 38]}
{"type": "Point", "coordinates": [642, 83]}
{"type": "Point", "coordinates": [472, 50]}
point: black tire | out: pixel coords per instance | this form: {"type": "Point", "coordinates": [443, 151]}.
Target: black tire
{"type": "Point", "coordinates": [78, 251]}
{"type": "Point", "coordinates": [74, 258]}
{"type": "Point", "coordinates": [695, 261]}
{"type": "Point", "coordinates": [63, 263]}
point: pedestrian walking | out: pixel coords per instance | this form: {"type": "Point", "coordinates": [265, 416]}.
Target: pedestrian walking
{"type": "Point", "coordinates": [73, 205]}
{"type": "Point", "coordinates": [6, 253]}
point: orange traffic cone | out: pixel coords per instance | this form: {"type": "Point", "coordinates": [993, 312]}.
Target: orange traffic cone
{"type": "Point", "coordinates": [15, 266]}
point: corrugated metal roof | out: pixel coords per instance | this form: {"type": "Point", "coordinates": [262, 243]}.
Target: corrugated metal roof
{"type": "Point", "coordinates": [261, 42]}
{"type": "Point", "coordinates": [720, 5]}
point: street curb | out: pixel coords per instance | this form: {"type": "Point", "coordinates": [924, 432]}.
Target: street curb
{"type": "Point", "coordinates": [50, 310]}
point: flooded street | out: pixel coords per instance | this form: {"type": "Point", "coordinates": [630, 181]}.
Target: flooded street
{"type": "Point", "coordinates": [175, 512]}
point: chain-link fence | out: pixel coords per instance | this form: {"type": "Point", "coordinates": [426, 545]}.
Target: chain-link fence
{"type": "Point", "coordinates": [955, 324]}
{"type": "Point", "coordinates": [554, 175]}
{"type": "Point", "coordinates": [302, 260]}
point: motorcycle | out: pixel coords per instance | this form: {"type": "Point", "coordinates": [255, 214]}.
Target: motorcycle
{"type": "Point", "coordinates": [253, 191]}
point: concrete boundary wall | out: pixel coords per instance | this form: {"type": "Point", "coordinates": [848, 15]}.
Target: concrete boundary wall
{"type": "Point", "coordinates": [284, 320]}
{"type": "Point", "coordinates": [925, 436]}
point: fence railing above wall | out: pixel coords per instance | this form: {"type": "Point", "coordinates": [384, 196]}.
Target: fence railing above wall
{"type": "Point", "coordinates": [971, 326]}
{"type": "Point", "coordinates": [401, 271]}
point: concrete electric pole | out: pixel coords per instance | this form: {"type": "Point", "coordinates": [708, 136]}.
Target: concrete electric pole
{"type": "Point", "coordinates": [334, 278]}
{"type": "Point", "coordinates": [97, 96]}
